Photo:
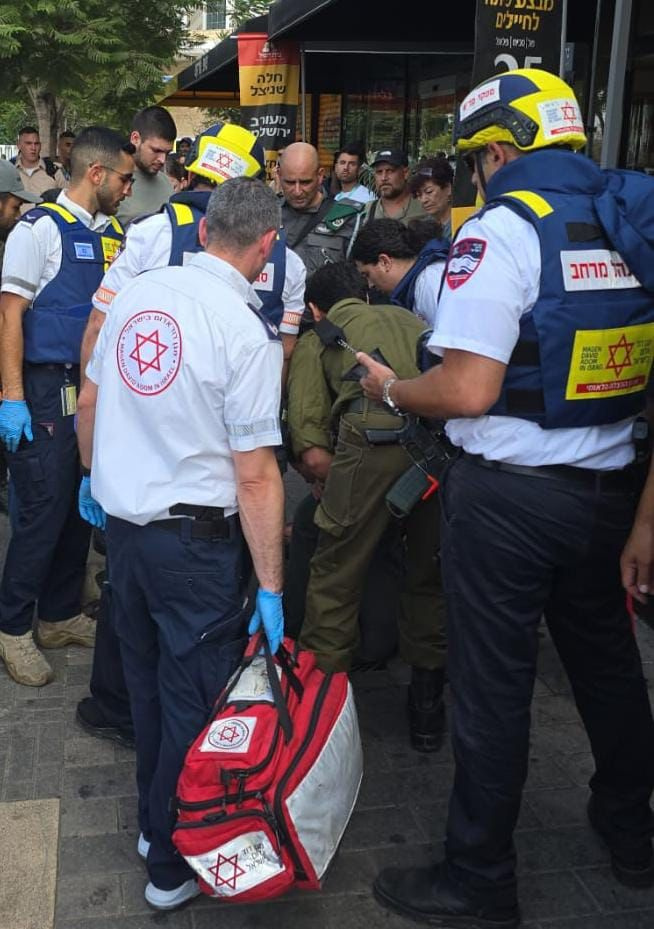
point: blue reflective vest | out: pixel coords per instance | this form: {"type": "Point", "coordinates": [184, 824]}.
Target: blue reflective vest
{"type": "Point", "coordinates": [584, 353]}
{"type": "Point", "coordinates": [404, 293]}
{"type": "Point", "coordinates": [185, 210]}
{"type": "Point", "coordinates": [54, 324]}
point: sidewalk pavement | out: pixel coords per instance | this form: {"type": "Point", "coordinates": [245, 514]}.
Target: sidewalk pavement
{"type": "Point", "coordinates": [565, 879]}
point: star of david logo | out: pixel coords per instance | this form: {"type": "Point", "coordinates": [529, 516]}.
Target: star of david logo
{"type": "Point", "coordinates": [228, 734]}
{"type": "Point", "coordinates": [147, 359]}
{"type": "Point", "coordinates": [617, 363]}
{"type": "Point", "coordinates": [224, 160]}
{"type": "Point", "coordinates": [569, 113]}
{"type": "Point", "coordinates": [231, 871]}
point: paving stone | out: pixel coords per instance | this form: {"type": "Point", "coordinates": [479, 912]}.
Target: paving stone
{"type": "Point", "coordinates": [554, 895]}
{"type": "Point", "coordinates": [17, 790]}
{"type": "Point", "coordinates": [97, 854]}
{"type": "Point", "coordinates": [561, 807]}
{"type": "Point", "coordinates": [177, 920]}
{"type": "Point", "coordinates": [562, 738]}
{"type": "Point", "coordinates": [128, 815]}
{"type": "Point", "coordinates": [641, 920]}
{"type": "Point", "coordinates": [299, 913]}
{"type": "Point", "coordinates": [545, 772]}
{"type": "Point", "coordinates": [553, 710]}
{"type": "Point", "coordinates": [48, 781]}
{"type": "Point", "coordinates": [113, 780]}
{"type": "Point", "coordinates": [611, 895]}
{"type": "Point", "coordinates": [557, 849]}
{"type": "Point", "coordinates": [96, 895]}
{"type": "Point", "coordinates": [371, 828]}
{"type": "Point", "coordinates": [580, 767]}
{"type": "Point", "coordinates": [88, 750]}
{"type": "Point", "coordinates": [88, 817]}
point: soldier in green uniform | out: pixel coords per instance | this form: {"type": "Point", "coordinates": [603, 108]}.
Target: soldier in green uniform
{"type": "Point", "coordinates": [327, 419]}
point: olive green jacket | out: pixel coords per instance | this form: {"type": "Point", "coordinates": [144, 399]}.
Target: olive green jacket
{"type": "Point", "coordinates": [317, 394]}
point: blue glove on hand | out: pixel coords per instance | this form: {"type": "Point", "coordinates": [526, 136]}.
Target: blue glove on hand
{"type": "Point", "coordinates": [268, 610]}
{"type": "Point", "coordinates": [15, 420]}
{"type": "Point", "coordinates": [90, 509]}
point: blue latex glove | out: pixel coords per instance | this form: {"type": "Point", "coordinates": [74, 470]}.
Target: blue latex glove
{"type": "Point", "coordinates": [90, 509]}
{"type": "Point", "coordinates": [15, 420]}
{"type": "Point", "coordinates": [268, 611]}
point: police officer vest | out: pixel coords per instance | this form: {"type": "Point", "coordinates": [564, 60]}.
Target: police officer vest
{"type": "Point", "coordinates": [185, 210]}
{"type": "Point", "coordinates": [54, 324]}
{"type": "Point", "coordinates": [584, 353]}
{"type": "Point", "coordinates": [405, 292]}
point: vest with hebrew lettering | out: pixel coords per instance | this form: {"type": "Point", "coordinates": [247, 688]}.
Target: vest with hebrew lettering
{"type": "Point", "coordinates": [54, 324]}
{"type": "Point", "coordinates": [185, 210]}
{"type": "Point", "coordinates": [405, 292]}
{"type": "Point", "coordinates": [584, 353]}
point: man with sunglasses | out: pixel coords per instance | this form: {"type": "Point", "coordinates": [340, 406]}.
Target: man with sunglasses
{"type": "Point", "coordinates": [545, 326]}
{"type": "Point", "coordinates": [54, 260]}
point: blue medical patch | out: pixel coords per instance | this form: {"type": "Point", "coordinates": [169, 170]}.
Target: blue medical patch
{"type": "Point", "coordinates": [84, 251]}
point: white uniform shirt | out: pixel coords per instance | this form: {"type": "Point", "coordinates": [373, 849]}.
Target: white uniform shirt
{"type": "Point", "coordinates": [147, 246]}
{"type": "Point", "coordinates": [33, 252]}
{"type": "Point", "coordinates": [428, 285]}
{"type": "Point", "coordinates": [186, 374]}
{"type": "Point", "coordinates": [360, 194]}
{"type": "Point", "coordinates": [479, 311]}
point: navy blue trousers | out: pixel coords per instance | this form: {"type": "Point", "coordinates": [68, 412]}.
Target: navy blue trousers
{"type": "Point", "coordinates": [177, 609]}
{"type": "Point", "coordinates": [49, 543]}
{"type": "Point", "coordinates": [515, 548]}
{"type": "Point", "coordinates": [107, 685]}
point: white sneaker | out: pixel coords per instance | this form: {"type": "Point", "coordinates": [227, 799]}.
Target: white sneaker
{"type": "Point", "coordinates": [143, 847]}
{"type": "Point", "coordinates": [171, 899]}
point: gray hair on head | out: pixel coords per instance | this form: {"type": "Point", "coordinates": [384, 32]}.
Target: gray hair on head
{"type": "Point", "coordinates": [240, 211]}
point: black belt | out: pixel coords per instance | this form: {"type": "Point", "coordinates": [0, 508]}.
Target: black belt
{"type": "Point", "coordinates": [363, 405]}
{"type": "Point", "coordinates": [204, 522]}
{"type": "Point", "coordinates": [598, 480]}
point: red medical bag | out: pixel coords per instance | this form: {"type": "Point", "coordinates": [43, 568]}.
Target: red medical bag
{"type": "Point", "coordinates": [269, 785]}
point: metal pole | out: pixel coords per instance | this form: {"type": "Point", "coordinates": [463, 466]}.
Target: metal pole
{"type": "Point", "coordinates": [303, 91]}
{"type": "Point", "coordinates": [564, 37]}
{"type": "Point", "coordinates": [615, 87]}
{"type": "Point", "coordinates": [590, 117]}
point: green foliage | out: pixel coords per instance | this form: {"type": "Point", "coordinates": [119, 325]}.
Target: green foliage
{"type": "Point", "coordinates": [13, 115]}
{"type": "Point", "coordinates": [242, 10]}
{"type": "Point", "coordinates": [103, 60]}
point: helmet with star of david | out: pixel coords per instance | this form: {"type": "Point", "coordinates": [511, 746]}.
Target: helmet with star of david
{"type": "Point", "coordinates": [224, 151]}
{"type": "Point", "coordinates": [529, 108]}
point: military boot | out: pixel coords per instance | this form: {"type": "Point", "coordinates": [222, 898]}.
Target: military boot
{"type": "Point", "coordinates": [426, 709]}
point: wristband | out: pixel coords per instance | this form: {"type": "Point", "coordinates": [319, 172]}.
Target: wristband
{"type": "Point", "coordinates": [86, 472]}
{"type": "Point", "coordinates": [386, 395]}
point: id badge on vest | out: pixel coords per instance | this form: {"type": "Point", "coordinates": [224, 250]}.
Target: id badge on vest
{"type": "Point", "coordinates": [68, 397]}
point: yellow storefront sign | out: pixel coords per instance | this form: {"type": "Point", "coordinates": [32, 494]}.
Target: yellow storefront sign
{"type": "Point", "coordinates": [610, 362]}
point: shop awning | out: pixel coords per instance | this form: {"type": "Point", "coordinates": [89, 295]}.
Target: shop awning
{"type": "Point", "coordinates": [329, 20]}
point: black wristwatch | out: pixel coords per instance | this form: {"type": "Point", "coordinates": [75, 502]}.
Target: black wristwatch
{"type": "Point", "coordinates": [86, 472]}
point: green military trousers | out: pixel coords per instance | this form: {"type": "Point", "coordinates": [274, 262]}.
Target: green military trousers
{"type": "Point", "coordinates": [352, 517]}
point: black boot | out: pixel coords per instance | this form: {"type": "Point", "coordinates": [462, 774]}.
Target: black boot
{"type": "Point", "coordinates": [426, 709]}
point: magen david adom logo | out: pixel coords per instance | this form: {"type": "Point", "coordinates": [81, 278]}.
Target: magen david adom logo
{"type": "Point", "coordinates": [149, 352]}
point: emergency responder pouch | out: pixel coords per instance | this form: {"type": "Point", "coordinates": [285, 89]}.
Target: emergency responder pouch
{"type": "Point", "coordinates": [269, 785]}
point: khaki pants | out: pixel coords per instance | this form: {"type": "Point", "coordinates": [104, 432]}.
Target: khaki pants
{"type": "Point", "coordinates": [352, 517]}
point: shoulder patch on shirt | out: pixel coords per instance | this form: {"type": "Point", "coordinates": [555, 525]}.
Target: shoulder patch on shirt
{"type": "Point", "coordinates": [465, 257]}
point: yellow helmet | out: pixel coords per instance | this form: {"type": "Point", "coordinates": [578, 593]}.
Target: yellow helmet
{"type": "Point", "coordinates": [226, 150]}
{"type": "Point", "coordinates": [529, 108]}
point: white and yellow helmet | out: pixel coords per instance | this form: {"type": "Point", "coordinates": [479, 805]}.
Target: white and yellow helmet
{"type": "Point", "coordinates": [529, 108]}
{"type": "Point", "coordinates": [225, 150]}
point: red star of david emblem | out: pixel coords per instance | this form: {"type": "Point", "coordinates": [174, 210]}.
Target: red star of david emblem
{"type": "Point", "coordinates": [224, 160]}
{"type": "Point", "coordinates": [616, 363]}
{"type": "Point", "coordinates": [228, 734]}
{"type": "Point", "coordinates": [146, 359]}
{"type": "Point", "coordinates": [569, 113]}
{"type": "Point", "coordinates": [231, 871]}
